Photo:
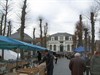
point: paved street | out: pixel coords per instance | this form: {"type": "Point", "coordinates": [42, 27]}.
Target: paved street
{"type": "Point", "coordinates": [61, 68]}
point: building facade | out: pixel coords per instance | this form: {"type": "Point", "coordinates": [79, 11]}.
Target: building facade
{"type": "Point", "coordinates": [60, 42]}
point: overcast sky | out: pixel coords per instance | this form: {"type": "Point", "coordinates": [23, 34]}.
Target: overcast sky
{"type": "Point", "coordinates": [61, 15]}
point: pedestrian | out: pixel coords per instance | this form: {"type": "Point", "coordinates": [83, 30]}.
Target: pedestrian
{"type": "Point", "coordinates": [95, 64]}
{"type": "Point", "coordinates": [39, 56]}
{"type": "Point", "coordinates": [77, 65]}
{"type": "Point", "coordinates": [48, 58]}
{"type": "Point", "coordinates": [56, 58]}
{"type": "Point", "coordinates": [87, 62]}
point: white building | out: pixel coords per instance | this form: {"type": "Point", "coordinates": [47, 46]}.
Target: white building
{"type": "Point", "coordinates": [60, 42]}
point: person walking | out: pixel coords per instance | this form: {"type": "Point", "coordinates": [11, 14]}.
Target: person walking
{"type": "Point", "coordinates": [39, 56]}
{"type": "Point", "coordinates": [95, 64]}
{"type": "Point", "coordinates": [48, 58]}
{"type": "Point", "coordinates": [56, 59]}
{"type": "Point", "coordinates": [77, 65]}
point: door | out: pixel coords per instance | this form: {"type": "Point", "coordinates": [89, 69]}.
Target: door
{"type": "Point", "coordinates": [61, 48]}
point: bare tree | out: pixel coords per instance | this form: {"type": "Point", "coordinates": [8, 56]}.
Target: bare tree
{"type": "Point", "coordinates": [34, 35]}
{"type": "Point", "coordinates": [95, 8]}
{"type": "Point", "coordinates": [79, 30]}
{"type": "Point", "coordinates": [45, 34]}
{"type": "Point", "coordinates": [98, 1]}
{"type": "Point", "coordinates": [86, 35]}
{"type": "Point", "coordinates": [6, 12]}
{"type": "Point", "coordinates": [1, 25]}
{"type": "Point", "coordinates": [89, 42]}
{"type": "Point", "coordinates": [41, 32]}
{"type": "Point", "coordinates": [23, 14]}
{"type": "Point", "coordinates": [93, 31]}
{"type": "Point", "coordinates": [6, 9]}
{"type": "Point", "coordinates": [9, 29]}
{"type": "Point", "coordinates": [93, 16]}
{"type": "Point", "coordinates": [74, 40]}
{"type": "Point", "coordinates": [99, 33]}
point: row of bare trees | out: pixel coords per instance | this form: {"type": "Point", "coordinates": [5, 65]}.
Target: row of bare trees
{"type": "Point", "coordinates": [88, 41]}
{"type": "Point", "coordinates": [78, 36]}
{"type": "Point", "coordinates": [43, 37]}
{"type": "Point", "coordinates": [6, 24]}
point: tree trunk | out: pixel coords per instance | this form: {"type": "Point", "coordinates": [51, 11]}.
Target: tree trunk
{"type": "Point", "coordinates": [2, 18]}
{"type": "Point", "coordinates": [80, 32]}
{"type": "Point", "coordinates": [41, 32]}
{"type": "Point", "coordinates": [5, 23]}
{"type": "Point", "coordinates": [45, 35]}
{"type": "Point", "coordinates": [93, 31]}
{"type": "Point", "coordinates": [86, 32]}
{"type": "Point", "coordinates": [23, 14]}
{"type": "Point", "coordinates": [9, 29]}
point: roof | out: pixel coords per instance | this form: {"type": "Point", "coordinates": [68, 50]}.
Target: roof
{"type": "Point", "coordinates": [16, 35]}
{"type": "Point", "coordinates": [37, 40]}
{"type": "Point", "coordinates": [62, 34]}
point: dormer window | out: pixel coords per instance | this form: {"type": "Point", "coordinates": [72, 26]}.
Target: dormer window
{"type": "Point", "coordinates": [56, 38]}
{"type": "Point", "coordinates": [52, 38]}
{"type": "Point", "coordinates": [66, 38]}
{"type": "Point", "coordinates": [70, 38]}
{"type": "Point", "coordinates": [61, 38]}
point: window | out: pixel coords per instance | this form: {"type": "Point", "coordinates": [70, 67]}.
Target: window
{"type": "Point", "coordinates": [66, 38]}
{"type": "Point", "coordinates": [50, 47]}
{"type": "Point", "coordinates": [70, 38]}
{"type": "Point", "coordinates": [54, 47]}
{"type": "Point", "coordinates": [61, 38]}
{"type": "Point", "coordinates": [68, 47]}
{"type": "Point", "coordinates": [56, 38]}
{"type": "Point", "coordinates": [52, 38]}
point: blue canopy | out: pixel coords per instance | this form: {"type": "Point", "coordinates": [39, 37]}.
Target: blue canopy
{"type": "Point", "coordinates": [28, 46]}
{"type": "Point", "coordinates": [80, 49]}
{"type": "Point", "coordinates": [9, 43]}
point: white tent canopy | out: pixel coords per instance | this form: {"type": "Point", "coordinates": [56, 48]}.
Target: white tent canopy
{"type": "Point", "coordinates": [9, 54]}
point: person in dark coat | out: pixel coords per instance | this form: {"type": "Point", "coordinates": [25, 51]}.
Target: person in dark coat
{"type": "Point", "coordinates": [39, 56]}
{"type": "Point", "coordinates": [77, 65]}
{"type": "Point", "coordinates": [48, 58]}
{"type": "Point", "coordinates": [95, 63]}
